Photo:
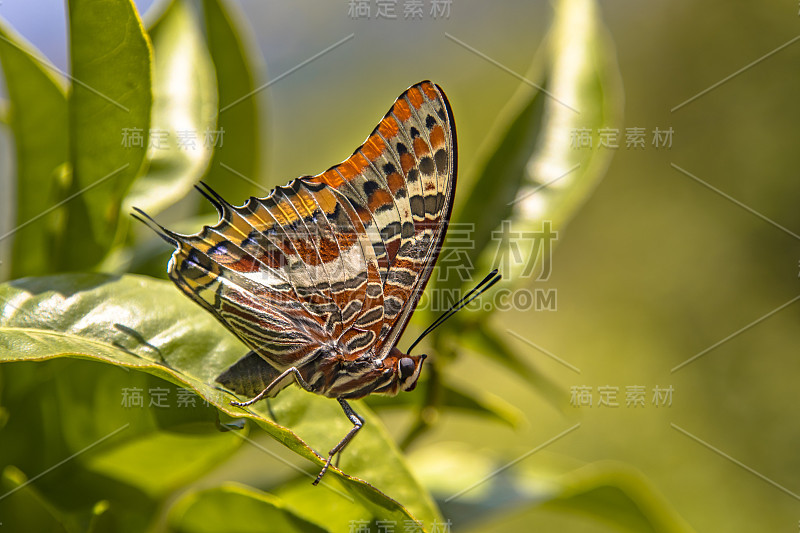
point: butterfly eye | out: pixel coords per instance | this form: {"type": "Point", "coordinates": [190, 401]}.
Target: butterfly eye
{"type": "Point", "coordinates": [407, 368]}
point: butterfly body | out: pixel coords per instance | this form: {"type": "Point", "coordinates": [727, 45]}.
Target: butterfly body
{"type": "Point", "coordinates": [320, 277]}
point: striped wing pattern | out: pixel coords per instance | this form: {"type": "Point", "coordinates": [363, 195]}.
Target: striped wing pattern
{"type": "Point", "coordinates": [324, 273]}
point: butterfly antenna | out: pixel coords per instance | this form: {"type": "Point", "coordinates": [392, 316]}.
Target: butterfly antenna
{"type": "Point", "coordinates": [162, 232]}
{"type": "Point", "coordinates": [485, 284]}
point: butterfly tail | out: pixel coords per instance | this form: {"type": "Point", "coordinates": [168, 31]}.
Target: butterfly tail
{"type": "Point", "coordinates": [169, 236]}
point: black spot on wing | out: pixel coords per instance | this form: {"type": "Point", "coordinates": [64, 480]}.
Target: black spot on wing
{"type": "Point", "coordinates": [370, 187]}
{"type": "Point", "coordinates": [392, 306]}
{"type": "Point", "coordinates": [361, 341]}
{"type": "Point", "coordinates": [391, 230]}
{"type": "Point", "coordinates": [426, 165]}
{"type": "Point", "coordinates": [417, 205]}
{"type": "Point", "coordinates": [441, 160]}
{"type": "Point", "coordinates": [439, 202]}
{"type": "Point", "coordinates": [431, 204]}
{"type": "Point", "coordinates": [384, 208]}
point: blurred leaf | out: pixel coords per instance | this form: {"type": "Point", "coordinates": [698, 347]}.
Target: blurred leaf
{"type": "Point", "coordinates": [147, 325]}
{"type": "Point", "coordinates": [99, 513]}
{"type": "Point", "coordinates": [481, 402]}
{"type": "Point", "coordinates": [619, 496]}
{"type": "Point", "coordinates": [480, 338]}
{"type": "Point", "coordinates": [233, 507]}
{"type": "Point", "coordinates": [474, 486]}
{"type": "Point", "coordinates": [184, 108]}
{"type": "Point", "coordinates": [37, 115]}
{"type": "Point", "coordinates": [501, 174]}
{"type": "Point", "coordinates": [111, 96]}
{"type": "Point", "coordinates": [470, 400]}
{"type": "Point", "coordinates": [30, 511]}
{"type": "Point", "coordinates": [233, 58]}
{"type": "Point", "coordinates": [450, 467]}
{"type": "Point", "coordinates": [530, 172]}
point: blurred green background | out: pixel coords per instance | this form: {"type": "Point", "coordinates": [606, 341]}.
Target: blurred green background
{"type": "Point", "coordinates": [653, 270]}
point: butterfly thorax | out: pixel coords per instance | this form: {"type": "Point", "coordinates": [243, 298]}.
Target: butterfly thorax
{"type": "Point", "coordinates": [335, 375]}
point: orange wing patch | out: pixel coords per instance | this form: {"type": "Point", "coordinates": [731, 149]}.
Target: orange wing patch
{"type": "Point", "coordinates": [388, 127]}
{"type": "Point", "coordinates": [401, 110]}
{"type": "Point", "coordinates": [437, 137]}
{"type": "Point", "coordinates": [421, 148]}
{"type": "Point", "coordinates": [415, 97]}
{"type": "Point", "coordinates": [374, 147]}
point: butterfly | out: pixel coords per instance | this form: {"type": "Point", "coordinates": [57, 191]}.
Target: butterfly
{"type": "Point", "coordinates": [320, 277]}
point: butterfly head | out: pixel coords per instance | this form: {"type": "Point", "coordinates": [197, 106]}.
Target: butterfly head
{"type": "Point", "coordinates": [408, 370]}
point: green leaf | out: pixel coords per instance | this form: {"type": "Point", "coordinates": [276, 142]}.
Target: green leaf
{"type": "Point", "coordinates": [37, 114]}
{"type": "Point", "coordinates": [480, 402]}
{"type": "Point", "coordinates": [333, 511]}
{"type": "Point", "coordinates": [69, 427]}
{"type": "Point", "coordinates": [459, 397]}
{"type": "Point", "coordinates": [233, 57]}
{"type": "Point", "coordinates": [618, 495]}
{"type": "Point", "coordinates": [184, 109]}
{"type": "Point", "coordinates": [474, 486]}
{"type": "Point", "coordinates": [233, 507]}
{"type": "Point", "coordinates": [450, 467]}
{"type": "Point", "coordinates": [480, 338]}
{"type": "Point", "coordinates": [370, 456]}
{"type": "Point", "coordinates": [111, 67]}
{"type": "Point", "coordinates": [501, 172]}
{"type": "Point", "coordinates": [30, 511]}
{"type": "Point", "coordinates": [161, 448]}
{"type": "Point", "coordinates": [530, 172]}
{"type": "Point", "coordinates": [143, 324]}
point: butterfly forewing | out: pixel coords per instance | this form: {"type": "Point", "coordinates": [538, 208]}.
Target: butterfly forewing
{"type": "Point", "coordinates": [329, 268]}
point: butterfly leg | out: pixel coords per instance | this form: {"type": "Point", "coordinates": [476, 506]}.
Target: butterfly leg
{"type": "Point", "coordinates": [358, 423]}
{"type": "Point", "coordinates": [276, 381]}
